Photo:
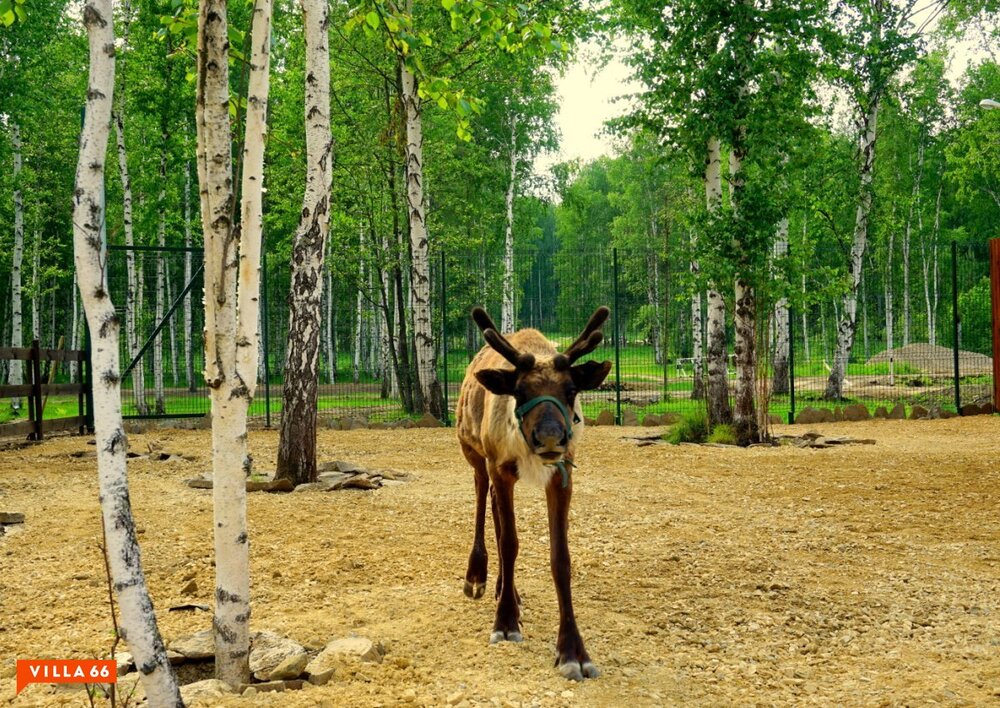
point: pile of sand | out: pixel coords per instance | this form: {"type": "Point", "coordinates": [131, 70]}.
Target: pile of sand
{"type": "Point", "coordinates": [935, 359]}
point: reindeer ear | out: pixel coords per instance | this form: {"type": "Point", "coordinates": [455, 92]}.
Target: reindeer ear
{"type": "Point", "coordinates": [498, 381]}
{"type": "Point", "coordinates": [590, 374]}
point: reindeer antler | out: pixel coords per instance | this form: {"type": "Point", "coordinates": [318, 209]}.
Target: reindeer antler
{"type": "Point", "coordinates": [587, 341]}
{"type": "Point", "coordinates": [521, 362]}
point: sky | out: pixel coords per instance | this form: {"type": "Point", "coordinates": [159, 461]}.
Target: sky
{"type": "Point", "coordinates": [588, 96]}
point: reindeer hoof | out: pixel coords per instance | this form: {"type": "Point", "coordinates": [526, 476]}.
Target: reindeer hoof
{"type": "Point", "coordinates": [574, 671]}
{"type": "Point", "coordinates": [500, 636]}
{"type": "Point", "coordinates": [474, 590]}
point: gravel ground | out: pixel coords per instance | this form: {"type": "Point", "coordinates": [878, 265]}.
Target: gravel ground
{"type": "Point", "coordinates": [859, 575]}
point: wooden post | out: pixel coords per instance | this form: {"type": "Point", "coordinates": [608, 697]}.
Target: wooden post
{"type": "Point", "coordinates": [995, 303]}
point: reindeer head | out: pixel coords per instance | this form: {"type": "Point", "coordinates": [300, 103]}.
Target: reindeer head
{"type": "Point", "coordinates": [544, 389]}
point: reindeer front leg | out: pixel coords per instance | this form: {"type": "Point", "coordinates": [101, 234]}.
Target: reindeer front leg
{"type": "Point", "coordinates": [571, 656]}
{"type": "Point", "coordinates": [508, 620]}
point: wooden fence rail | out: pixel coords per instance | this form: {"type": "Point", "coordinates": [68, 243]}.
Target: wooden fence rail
{"type": "Point", "coordinates": [37, 391]}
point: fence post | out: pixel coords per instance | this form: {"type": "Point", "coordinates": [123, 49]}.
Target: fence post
{"type": "Point", "coordinates": [791, 362]}
{"type": "Point", "coordinates": [87, 374]}
{"type": "Point", "coordinates": [618, 352]}
{"type": "Point", "coordinates": [35, 399]}
{"type": "Point", "coordinates": [444, 340]}
{"type": "Point", "coordinates": [995, 308]}
{"type": "Point", "coordinates": [956, 324]}
{"type": "Point", "coordinates": [265, 343]}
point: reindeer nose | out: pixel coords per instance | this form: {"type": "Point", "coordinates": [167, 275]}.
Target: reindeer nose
{"type": "Point", "coordinates": [548, 435]}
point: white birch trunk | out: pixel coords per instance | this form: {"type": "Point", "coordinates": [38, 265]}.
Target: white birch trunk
{"type": "Point", "coordinates": [936, 273]}
{"type": "Point", "coordinates": [231, 326]}
{"type": "Point", "coordinates": [745, 325]}
{"type": "Point", "coordinates": [331, 354]}
{"type": "Point", "coordinates": [358, 309]}
{"type": "Point", "coordinates": [507, 315]}
{"type": "Point", "coordinates": [782, 340]}
{"type": "Point", "coordinates": [297, 445]}
{"type": "Point", "coordinates": [17, 326]}
{"type": "Point", "coordinates": [172, 329]}
{"type": "Point", "coordinates": [847, 325]}
{"type": "Point", "coordinates": [719, 410]}
{"type": "Point", "coordinates": [133, 305]}
{"type": "Point", "coordinates": [137, 619]}
{"type": "Point", "coordinates": [188, 272]}
{"type": "Point", "coordinates": [420, 281]}
{"type": "Point", "coordinates": [653, 292]}
{"type": "Point", "coordinates": [907, 235]}
{"type": "Point", "coordinates": [161, 293]}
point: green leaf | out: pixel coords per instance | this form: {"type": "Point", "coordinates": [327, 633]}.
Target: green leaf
{"type": "Point", "coordinates": [372, 19]}
{"type": "Point", "coordinates": [447, 4]}
{"type": "Point", "coordinates": [7, 17]}
{"type": "Point", "coordinates": [21, 14]}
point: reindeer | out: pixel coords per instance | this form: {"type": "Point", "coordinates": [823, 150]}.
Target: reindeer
{"type": "Point", "coordinates": [524, 423]}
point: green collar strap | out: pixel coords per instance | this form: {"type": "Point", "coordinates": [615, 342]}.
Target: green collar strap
{"type": "Point", "coordinates": [522, 410]}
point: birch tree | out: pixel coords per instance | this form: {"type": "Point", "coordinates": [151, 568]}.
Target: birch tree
{"type": "Point", "coordinates": [17, 326]}
{"type": "Point", "coordinates": [231, 254]}
{"type": "Point", "coordinates": [782, 342]}
{"type": "Point", "coordinates": [138, 621]}
{"type": "Point", "coordinates": [297, 446]}
{"type": "Point", "coordinates": [507, 313]}
{"type": "Point", "coordinates": [719, 410]}
{"type": "Point", "coordinates": [878, 41]}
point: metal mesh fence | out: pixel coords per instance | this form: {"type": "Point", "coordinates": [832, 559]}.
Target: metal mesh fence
{"type": "Point", "coordinates": [909, 347]}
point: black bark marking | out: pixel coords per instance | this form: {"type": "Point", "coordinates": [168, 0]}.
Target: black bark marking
{"type": "Point", "coordinates": [92, 18]}
{"type": "Point", "coordinates": [110, 378]}
{"type": "Point", "coordinates": [222, 595]}
{"type": "Point", "coordinates": [117, 440]}
{"type": "Point", "coordinates": [242, 538]}
{"type": "Point", "coordinates": [227, 635]}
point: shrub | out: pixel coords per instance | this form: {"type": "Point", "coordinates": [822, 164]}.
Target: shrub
{"type": "Point", "coordinates": [724, 434]}
{"type": "Point", "coordinates": [693, 427]}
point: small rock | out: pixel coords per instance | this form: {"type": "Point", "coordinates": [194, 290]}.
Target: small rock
{"type": "Point", "coordinates": [838, 414]}
{"type": "Point", "coordinates": [190, 588]}
{"type": "Point", "coordinates": [11, 517]}
{"type": "Point", "coordinates": [199, 483]}
{"type": "Point", "coordinates": [200, 645]}
{"type": "Point", "coordinates": [898, 412]}
{"type": "Point", "coordinates": [945, 413]}
{"type": "Point", "coordinates": [270, 652]}
{"type": "Point", "coordinates": [629, 418]}
{"type": "Point", "coordinates": [322, 678]}
{"type": "Point", "coordinates": [357, 482]}
{"type": "Point", "coordinates": [605, 417]}
{"type": "Point", "coordinates": [269, 687]}
{"type": "Point", "coordinates": [124, 662]}
{"type": "Point", "coordinates": [176, 658]}
{"type": "Point", "coordinates": [280, 485]}
{"type": "Point", "coordinates": [808, 416]}
{"type": "Point", "coordinates": [455, 698]}
{"type": "Point", "coordinates": [249, 692]}
{"type": "Point", "coordinates": [204, 690]}
{"type": "Point", "coordinates": [312, 487]}
{"type": "Point", "coordinates": [917, 412]}
{"type": "Point", "coordinates": [881, 412]}
{"type": "Point", "coordinates": [428, 421]}
{"type": "Point", "coordinates": [406, 424]}
{"type": "Point", "coordinates": [651, 421]}
{"type": "Point", "coordinates": [346, 467]}
{"type": "Point", "coordinates": [856, 412]}
{"type": "Point", "coordinates": [340, 652]}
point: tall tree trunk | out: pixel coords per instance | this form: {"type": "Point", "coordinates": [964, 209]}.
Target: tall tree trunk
{"type": "Point", "coordinates": [653, 295]}
{"type": "Point", "coordinates": [328, 336]}
{"type": "Point", "coordinates": [133, 306]}
{"type": "Point", "coordinates": [359, 308]}
{"type": "Point", "coordinates": [782, 341]}
{"type": "Point", "coordinates": [507, 315]}
{"type": "Point", "coordinates": [847, 326]}
{"type": "Point", "coordinates": [745, 322]}
{"type": "Point", "coordinates": [74, 337]}
{"type": "Point", "coordinates": [231, 254]}
{"type": "Point", "coordinates": [935, 252]}
{"type": "Point", "coordinates": [719, 410]}
{"type": "Point", "coordinates": [36, 286]}
{"type": "Point", "coordinates": [172, 330]}
{"type": "Point", "coordinates": [420, 282]}
{"type": "Point", "coordinates": [188, 323]}
{"type": "Point", "coordinates": [17, 327]}
{"type": "Point", "coordinates": [914, 204]}
{"type": "Point", "coordinates": [137, 618]}
{"type": "Point", "coordinates": [161, 276]}
{"type": "Point", "coordinates": [297, 445]}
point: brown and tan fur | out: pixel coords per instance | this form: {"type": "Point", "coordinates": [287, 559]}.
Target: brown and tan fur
{"type": "Point", "coordinates": [509, 372]}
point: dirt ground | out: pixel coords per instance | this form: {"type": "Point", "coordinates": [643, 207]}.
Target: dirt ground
{"type": "Point", "coordinates": [860, 575]}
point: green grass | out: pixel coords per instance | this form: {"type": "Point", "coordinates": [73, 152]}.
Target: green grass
{"type": "Point", "coordinates": [692, 427]}
{"type": "Point", "coordinates": [723, 434]}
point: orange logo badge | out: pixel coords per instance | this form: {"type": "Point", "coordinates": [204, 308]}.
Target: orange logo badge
{"type": "Point", "coordinates": [64, 671]}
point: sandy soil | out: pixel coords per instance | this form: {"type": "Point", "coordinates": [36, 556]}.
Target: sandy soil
{"type": "Point", "coordinates": [856, 575]}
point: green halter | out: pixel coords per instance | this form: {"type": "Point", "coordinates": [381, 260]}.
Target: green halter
{"type": "Point", "coordinates": [523, 409]}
